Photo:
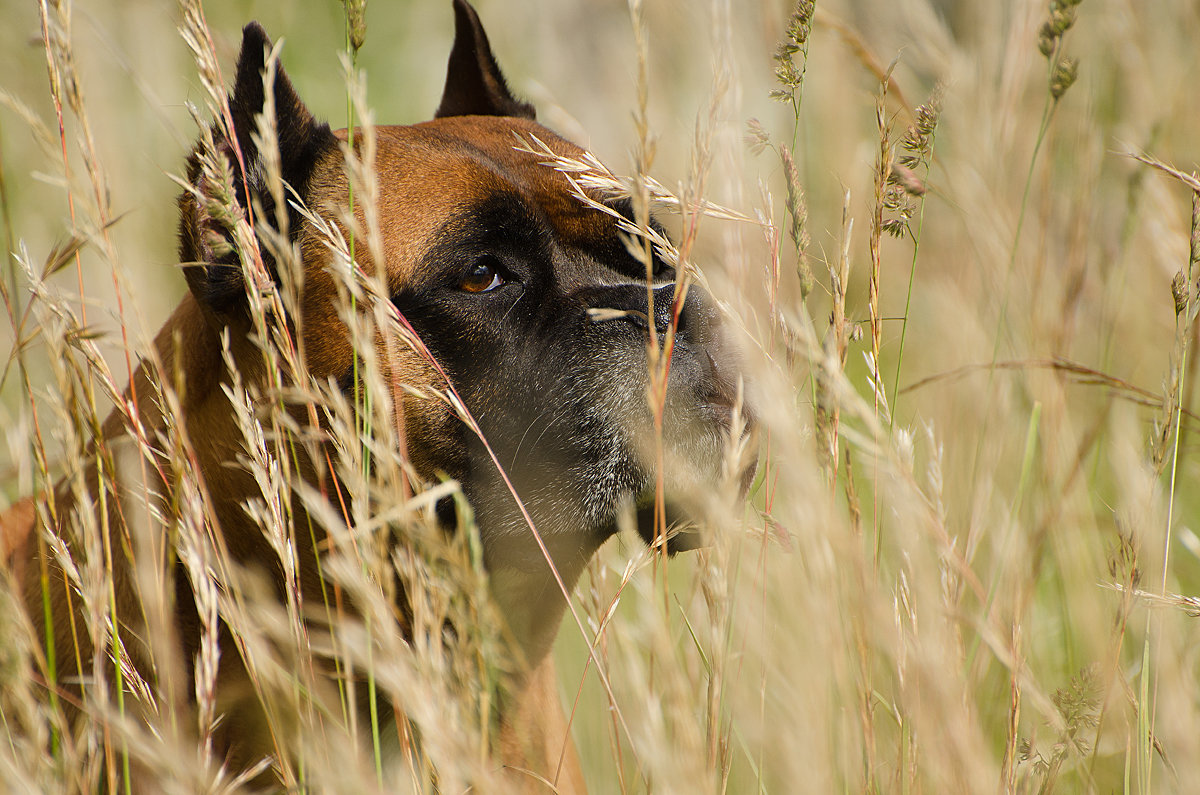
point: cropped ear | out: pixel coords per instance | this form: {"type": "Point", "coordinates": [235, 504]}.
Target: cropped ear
{"type": "Point", "coordinates": [206, 242]}
{"type": "Point", "coordinates": [474, 84]}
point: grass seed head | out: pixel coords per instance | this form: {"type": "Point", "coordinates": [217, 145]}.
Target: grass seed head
{"type": "Point", "coordinates": [1059, 20]}
{"type": "Point", "coordinates": [757, 137]}
{"type": "Point", "coordinates": [356, 21]}
{"type": "Point", "coordinates": [1063, 77]}
{"type": "Point", "coordinates": [798, 215]}
{"type": "Point", "coordinates": [789, 73]}
{"type": "Point", "coordinates": [1179, 292]}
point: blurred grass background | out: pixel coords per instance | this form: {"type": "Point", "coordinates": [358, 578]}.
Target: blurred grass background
{"type": "Point", "coordinates": [889, 660]}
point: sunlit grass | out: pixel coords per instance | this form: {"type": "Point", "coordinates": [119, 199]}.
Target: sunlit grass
{"type": "Point", "coordinates": [968, 562]}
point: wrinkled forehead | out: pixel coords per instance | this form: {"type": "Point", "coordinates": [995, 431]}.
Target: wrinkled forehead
{"type": "Point", "coordinates": [451, 172]}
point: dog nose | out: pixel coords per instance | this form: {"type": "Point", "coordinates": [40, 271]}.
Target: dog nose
{"type": "Point", "coordinates": [697, 316]}
{"type": "Point", "coordinates": [664, 300]}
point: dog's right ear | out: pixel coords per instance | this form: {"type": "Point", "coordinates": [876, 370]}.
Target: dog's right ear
{"type": "Point", "coordinates": [206, 243]}
{"type": "Point", "coordinates": [474, 84]}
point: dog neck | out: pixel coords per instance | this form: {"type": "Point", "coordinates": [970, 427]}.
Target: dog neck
{"type": "Point", "coordinates": [533, 605]}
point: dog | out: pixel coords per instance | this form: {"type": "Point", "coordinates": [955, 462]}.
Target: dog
{"type": "Point", "coordinates": [528, 303]}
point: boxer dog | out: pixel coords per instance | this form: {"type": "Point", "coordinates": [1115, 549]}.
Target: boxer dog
{"type": "Point", "coordinates": [529, 305]}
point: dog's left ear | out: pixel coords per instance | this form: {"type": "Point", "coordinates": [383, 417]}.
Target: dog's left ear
{"type": "Point", "coordinates": [206, 246]}
{"type": "Point", "coordinates": [474, 83]}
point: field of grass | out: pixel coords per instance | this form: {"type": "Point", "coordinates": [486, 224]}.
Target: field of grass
{"type": "Point", "coordinates": [965, 255]}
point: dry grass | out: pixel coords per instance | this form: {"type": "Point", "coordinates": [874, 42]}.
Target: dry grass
{"type": "Point", "coordinates": [969, 563]}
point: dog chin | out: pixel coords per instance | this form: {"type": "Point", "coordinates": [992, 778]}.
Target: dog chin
{"type": "Point", "coordinates": [694, 487]}
{"type": "Point", "coordinates": [683, 533]}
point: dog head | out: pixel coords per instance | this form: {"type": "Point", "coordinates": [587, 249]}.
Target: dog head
{"type": "Point", "coordinates": [528, 299]}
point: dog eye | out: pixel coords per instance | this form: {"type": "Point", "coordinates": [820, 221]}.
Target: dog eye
{"type": "Point", "coordinates": [483, 276]}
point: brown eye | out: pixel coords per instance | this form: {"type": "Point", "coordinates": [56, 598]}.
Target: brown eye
{"type": "Point", "coordinates": [482, 277]}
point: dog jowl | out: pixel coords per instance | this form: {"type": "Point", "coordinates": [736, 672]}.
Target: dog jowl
{"type": "Point", "coordinates": [529, 308]}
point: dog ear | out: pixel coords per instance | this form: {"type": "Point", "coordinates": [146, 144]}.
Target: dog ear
{"type": "Point", "coordinates": [207, 250]}
{"type": "Point", "coordinates": [474, 84]}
